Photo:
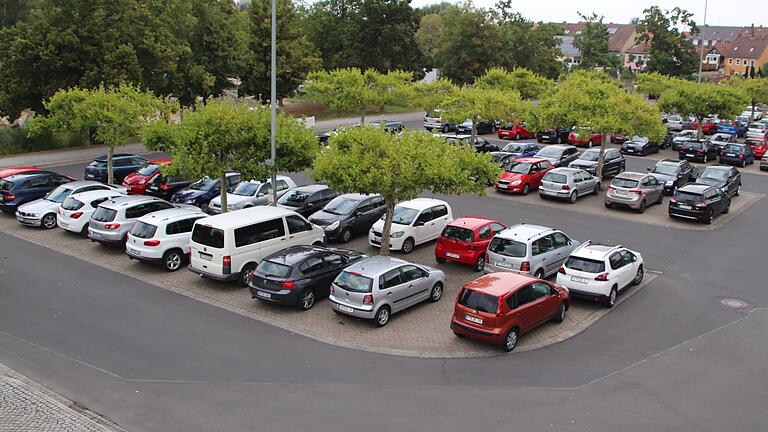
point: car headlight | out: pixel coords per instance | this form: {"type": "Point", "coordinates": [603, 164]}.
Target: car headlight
{"type": "Point", "coordinates": [332, 226]}
{"type": "Point", "coordinates": [669, 183]}
{"type": "Point", "coordinates": [142, 181]}
{"type": "Point", "coordinates": [397, 234]}
{"type": "Point", "coordinates": [516, 182]}
{"type": "Point", "coordinates": [189, 201]}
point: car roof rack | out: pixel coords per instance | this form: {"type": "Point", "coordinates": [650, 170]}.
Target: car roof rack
{"type": "Point", "coordinates": [595, 243]}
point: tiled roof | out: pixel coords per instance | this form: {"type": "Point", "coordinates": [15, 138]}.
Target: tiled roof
{"type": "Point", "coordinates": [750, 45]}
{"type": "Point", "coordinates": [566, 46]}
{"type": "Point", "coordinates": [721, 33]}
{"type": "Point", "coordinates": [619, 34]}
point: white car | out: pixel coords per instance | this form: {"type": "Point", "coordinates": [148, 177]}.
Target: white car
{"type": "Point", "coordinates": [75, 212]}
{"type": "Point", "coordinates": [414, 222]}
{"type": "Point", "coordinates": [250, 194]}
{"type": "Point", "coordinates": [684, 136]}
{"type": "Point", "coordinates": [163, 237]}
{"type": "Point", "coordinates": [599, 271]}
{"type": "Point", "coordinates": [757, 115]}
{"type": "Point", "coordinates": [42, 212]}
{"type": "Point", "coordinates": [675, 122]}
{"type": "Point", "coordinates": [756, 130]}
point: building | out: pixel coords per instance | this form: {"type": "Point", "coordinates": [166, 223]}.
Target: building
{"type": "Point", "coordinates": [749, 49]}
{"type": "Point", "coordinates": [636, 57]}
{"type": "Point", "coordinates": [709, 36]}
{"type": "Point", "coordinates": [620, 36]}
{"type": "Point", "coordinates": [570, 55]}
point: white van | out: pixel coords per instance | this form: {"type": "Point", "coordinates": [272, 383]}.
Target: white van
{"type": "Point", "coordinates": [229, 246]}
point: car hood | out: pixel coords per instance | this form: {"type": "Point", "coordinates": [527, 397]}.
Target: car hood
{"type": "Point", "coordinates": [663, 178]}
{"type": "Point", "coordinates": [711, 182]}
{"type": "Point", "coordinates": [39, 206]}
{"type": "Point", "coordinates": [232, 199]}
{"type": "Point", "coordinates": [633, 144]}
{"type": "Point", "coordinates": [379, 226]}
{"type": "Point", "coordinates": [324, 218]}
{"type": "Point", "coordinates": [134, 178]}
{"type": "Point", "coordinates": [583, 163]}
{"type": "Point", "coordinates": [187, 194]}
{"type": "Point", "coordinates": [506, 175]}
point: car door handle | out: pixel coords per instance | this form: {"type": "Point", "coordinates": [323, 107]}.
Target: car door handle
{"type": "Point", "coordinates": [290, 236]}
{"type": "Point", "coordinates": [389, 293]}
{"type": "Point", "coordinates": [410, 286]}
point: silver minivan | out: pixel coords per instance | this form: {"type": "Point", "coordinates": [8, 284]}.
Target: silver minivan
{"type": "Point", "coordinates": [531, 249]}
{"type": "Point", "coordinates": [569, 184]}
{"type": "Point", "coordinates": [113, 219]}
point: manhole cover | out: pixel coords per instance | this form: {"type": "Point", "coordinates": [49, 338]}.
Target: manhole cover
{"type": "Point", "coordinates": [735, 303]}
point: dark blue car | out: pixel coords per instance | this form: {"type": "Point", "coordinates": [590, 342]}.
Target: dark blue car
{"type": "Point", "coordinates": [201, 192]}
{"type": "Point", "coordinates": [22, 188]}
{"type": "Point", "coordinates": [732, 127]}
{"type": "Point", "coordinates": [122, 165]}
{"type": "Point", "coordinates": [737, 154]}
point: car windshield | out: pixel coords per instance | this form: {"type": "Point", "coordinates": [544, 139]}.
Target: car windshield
{"type": "Point", "coordinates": [590, 155]}
{"type": "Point", "coordinates": [246, 189]}
{"type": "Point", "coordinates": [204, 184]}
{"type": "Point", "coordinates": [556, 178]}
{"type": "Point", "coordinates": [549, 152]}
{"type": "Point", "coordinates": [507, 247]}
{"type": "Point", "coordinates": [71, 204]}
{"type": "Point", "coordinates": [639, 139]}
{"type": "Point", "coordinates": [273, 269]}
{"type": "Point", "coordinates": [585, 265]}
{"type": "Point", "coordinates": [688, 197]}
{"type": "Point", "coordinates": [143, 230]}
{"type": "Point", "coordinates": [624, 183]}
{"type": "Point", "coordinates": [754, 142]}
{"type": "Point", "coordinates": [665, 169]}
{"type": "Point", "coordinates": [676, 118]}
{"type": "Point", "coordinates": [433, 114]}
{"type": "Point", "coordinates": [458, 233]}
{"type": "Point", "coordinates": [104, 214]}
{"type": "Point", "coordinates": [208, 236]}
{"type": "Point", "coordinates": [59, 194]}
{"type": "Point", "coordinates": [354, 282]}
{"type": "Point", "coordinates": [513, 148]}
{"type": "Point", "coordinates": [500, 157]}
{"type": "Point", "coordinates": [519, 168]}
{"type": "Point", "coordinates": [98, 163]}
{"type": "Point", "coordinates": [403, 215]}
{"type": "Point", "coordinates": [148, 170]}
{"type": "Point", "coordinates": [341, 206]}
{"type": "Point", "coordinates": [294, 198]}
{"type": "Point", "coordinates": [714, 174]}
{"type": "Point", "coordinates": [478, 301]}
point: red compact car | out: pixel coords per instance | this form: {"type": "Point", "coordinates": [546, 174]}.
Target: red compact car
{"type": "Point", "coordinates": [18, 170]}
{"type": "Point", "coordinates": [500, 307]}
{"type": "Point", "coordinates": [708, 126]}
{"type": "Point", "coordinates": [523, 175]}
{"type": "Point", "coordinates": [583, 137]}
{"type": "Point", "coordinates": [619, 138]}
{"type": "Point", "coordinates": [515, 131]}
{"type": "Point", "coordinates": [137, 182]}
{"type": "Point", "coordinates": [466, 239]}
{"type": "Point", "coordinates": [758, 145]}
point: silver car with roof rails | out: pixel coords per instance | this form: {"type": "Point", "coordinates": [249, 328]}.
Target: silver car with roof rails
{"type": "Point", "coordinates": [634, 190]}
{"type": "Point", "coordinates": [113, 219]}
{"type": "Point", "coordinates": [531, 249]}
{"type": "Point", "coordinates": [568, 184]}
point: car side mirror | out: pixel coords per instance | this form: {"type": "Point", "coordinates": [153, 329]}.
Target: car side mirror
{"type": "Point", "coordinates": [648, 169]}
{"type": "Point", "coordinates": [418, 223]}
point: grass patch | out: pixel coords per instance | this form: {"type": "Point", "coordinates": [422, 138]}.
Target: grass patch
{"type": "Point", "coordinates": [14, 140]}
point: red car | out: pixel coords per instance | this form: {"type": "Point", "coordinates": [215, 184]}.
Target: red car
{"type": "Point", "coordinates": [583, 137]}
{"type": "Point", "coordinates": [18, 170]}
{"type": "Point", "coordinates": [500, 307]}
{"type": "Point", "coordinates": [758, 145]}
{"type": "Point", "coordinates": [708, 126]}
{"type": "Point", "coordinates": [466, 239]}
{"type": "Point", "coordinates": [515, 131]}
{"type": "Point", "coordinates": [619, 138]}
{"type": "Point", "coordinates": [523, 175]}
{"type": "Point", "coordinates": [137, 182]}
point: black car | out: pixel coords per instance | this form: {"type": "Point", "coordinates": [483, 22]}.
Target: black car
{"type": "Point", "coordinates": [201, 192]}
{"type": "Point", "coordinates": [700, 202]}
{"type": "Point", "coordinates": [306, 200]}
{"type": "Point", "coordinates": [122, 165]}
{"type": "Point", "coordinates": [727, 178]}
{"type": "Point", "coordinates": [674, 174]}
{"type": "Point", "coordinates": [483, 127]}
{"type": "Point", "coordinates": [613, 162]}
{"type": "Point", "coordinates": [553, 136]}
{"type": "Point", "coordinates": [504, 158]}
{"type": "Point", "coordinates": [349, 214]}
{"type": "Point", "coordinates": [697, 151]}
{"type": "Point", "coordinates": [559, 155]}
{"type": "Point", "coordinates": [300, 275]}
{"type": "Point", "coordinates": [639, 146]}
{"type": "Point", "coordinates": [482, 145]}
{"type": "Point", "coordinates": [764, 163]}
{"type": "Point", "coordinates": [737, 154]}
{"type": "Point", "coordinates": [165, 187]}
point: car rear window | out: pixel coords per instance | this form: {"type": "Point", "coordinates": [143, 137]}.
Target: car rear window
{"type": "Point", "coordinates": [433, 114]}
{"type": "Point", "coordinates": [273, 269]}
{"type": "Point", "coordinates": [458, 233]}
{"type": "Point", "coordinates": [585, 264]}
{"type": "Point", "coordinates": [354, 282]}
{"type": "Point", "coordinates": [294, 198]}
{"type": "Point", "coordinates": [104, 214]}
{"type": "Point", "coordinates": [478, 301]}
{"type": "Point", "coordinates": [5, 185]}
{"type": "Point", "coordinates": [507, 247]}
{"type": "Point", "coordinates": [143, 230]}
{"type": "Point", "coordinates": [72, 204]}
{"type": "Point", "coordinates": [687, 197]}
{"type": "Point", "coordinates": [556, 178]}
{"type": "Point", "coordinates": [208, 236]}
{"type": "Point", "coordinates": [733, 148]}
{"type": "Point", "coordinates": [693, 145]}
{"type": "Point", "coordinates": [624, 183]}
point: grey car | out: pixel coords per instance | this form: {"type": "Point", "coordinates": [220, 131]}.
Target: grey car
{"type": "Point", "coordinates": [113, 219]}
{"type": "Point", "coordinates": [634, 190]}
{"type": "Point", "coordinates": [559, 154]}
{"type": "Point", "coordinates": [531, 249]}
{"type": "Point", "coordinates": [569, 184]}
{"type": "Point", "coordinates": [377, 287]}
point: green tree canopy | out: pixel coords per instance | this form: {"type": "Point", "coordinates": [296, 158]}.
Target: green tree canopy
{"type": "Point", "coordinates": [428, 37]}
{"type": "Point", "coordinates": [670, 53]}
{"type": "Point", "coordinates": [593, 42]}
{"type": "Point", "coordinates": [470, 44]}
{"type": "Point", "coordinates": [653, 83]}
{"type": "Point", "coordinates": [370, 160]}
{"type": "Point", "coordinates": [755, 91]}
{"type": "Point", "coordinates": [701, 99]}
{"type": "Point", "coordinates": [528, 84]}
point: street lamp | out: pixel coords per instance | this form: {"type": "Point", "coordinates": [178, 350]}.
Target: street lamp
{"type": "Point", "coordinates": [701, 39]}
{"type": "Point", "coordinates": [273, 102]}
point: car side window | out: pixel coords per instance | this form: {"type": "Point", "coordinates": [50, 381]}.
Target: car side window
{"type": "Point", "coordinates": [628, 257]}
{"type": "Point", "coordinates": [330, 194]}
{"type": "Point", "coordinates": [315, 198]}
{"type": "Point", "coordinates": [497, 227]}
{"type": "Point", "coordinates": [135, 211]}
{"type": "Point", "coordinates": [616, 261]}
{"type": "Point", "coordinates": [121, 163]}
{"type": "Point", "coordinates": [333, 259]}
{"type": "Point", "coordinates": [578, 178]}
{"type": "Point", "coordinates": [390, 279]}
{"type": "Point", "coordinates": [484, 232]}
{"type": "Point", "coordinates": [511, 301]}
{"type": "Point", "coordinates": [365, 206]}
{"type": "Point", "coordinates": [259, 232]}
{"type": "Point", "coordinates": [172, 228]}
{"type": "Point", "coordinates": [296, 224]}
{"type": "Point", "coordinates": [525, 295]}
{"type": "Point", "coordinates": [37, 182]}
{"type": "Point", "coordinates": [378, 202]}
{"type": "Point", "coordinates": [95, 203]}
{"type": "Point", "coordinates": [560, 240]}
{"type": "Point", "coordinates": [540, 289]}
{"type": "Point", "coordinates": [233, 179]}
{"type": "Point", "coordinates": [411, 273]}
{"type": "Point", "coordinates": [425, 216]}
{"type": "Point", "coordinates": [545, 244]}
{"type": "Point", "coordinates": [282, 185]}
{"type": "Point", "coordinates": [439, 211]}
{"type": "Point", "coordinates": [312, 264]}
{"type": "Point", "coordinates": [160, 205]}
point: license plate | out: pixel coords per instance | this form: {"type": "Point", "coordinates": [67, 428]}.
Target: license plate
{"type": "Point", "coordinates": [205, 256]}
{"type": "Point", "coordinates": [503, 264]}
{"type": "Point", "coordinates": [689, 155]}
{"type": "Point", "coordinates": [63, 224]}
{"type": "Point", "coordinates": [685, 207]}
{"type": "Point", "coordinates": [545, 136]}
{"type": "Point", "coordinates": [502, 186]}
{"type": "Point", "coordinates": [89, 175]}
{"type": "Point", "coordinates": [475, 320]}
{"type": "Point", "coordinates": [134, 251]}
{"type": "Point", "coordinates": [377, 239]}
{"type": "Point", "coordinates": [264, 294]}
{"type": "Point", "coordinates": [452, 255]}
{"type": "Point", "coordinates": [621, 192]}
{"type": "Point", "coordinates": [579, 279]}
{"type": "Point", "coordinates": [346, 309]}
{"type": "Point", "coordinates": [95, 235]}
{"type": "Point", "coordinates": [730, 155]}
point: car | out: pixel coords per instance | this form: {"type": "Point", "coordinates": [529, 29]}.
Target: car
{"type": "Point", "coordinates": [465, 240]}
{"type": "Point", "coordinates": [699, 202]}
{"type": "Point", "coordinates": [7, 172]}
{"type": "Point", "coordinates": [752, 114]}
{"type": "Point", "coordinates": [634, 190]}
{"type": "Point", "coordinates": [757, 130]}
{"type": "Point", "coordinates": [499, 308]}
{"type": "Point", "coordinates": [348, 215]}
{"type": "Point", "coordinates": [308, 199]}
{"type": "Point", "coordinates": [122, 165]}
{"type": "Point", "coordinates": [682, 137]}
{"type": "Point", "coordinates": [569, 184]}
{"type": "Point", "coordinates": [42, 212]}
{"type": "Point", "coordinates": [673, 174]}
{"type": "Point", "coordinates": [613, 162]}
{"type": "Point", "coordinates": [737, 154]}
{"type": "Point", "coordinates": [201, 192]}
{"type": "Point", "coordinates": [76, 210]}
{"type": "Point", "coordinates": [414, 222]}
{"type": "Point", "coordinates": [618, 138]}
{"type": "Point", "coordinates": [531, 249]}
{"type": "Point", "coordinates": [639, 146]}
{"type": "Point", "coordinates": [137, 182]}
{"type": "Point", "coordinates": [697, 151]}
{"type": "Point", "coordinates": [758, 145]}
{"type": "Point", "coordinates": [732, 127]}
{"type": "Point", "coordinates": [19, 189]}
{"type": "Point", "coordinates": [559, 155]}
{"type": "Point", "coordinates": [708, 126]}
{"type": "Point", "coordinates": [599, 271]}
{"type": "Point", "coordinates": [483, 127]}
{"type": "Point", "coordinates": [727, 178]}
{"type": "Point", "coordinates": [523, 175]}
{"type": "Point", "coordinates": [676, 123]}
{"type": "Point", "coordinates": [300, 275]}
{"type": "Point", "coordinates": [251, 193]}
{"type": "Point", "coordinates": [720, 140]}
{"type": "Point", "coordinates": [584, 137]}
{"type": "Point", "coordinates": [521, 149]}
{"type": "Point", "coordinates": [166, 187]}
{"type": "Point", "coordinates": [553, 136]}
{"type": "Point", "coordinates": [377, 287]}
{"type": "Point", "coordinates": [482, 145]}
{"type": "Point", "coordinates": [390, 126]}
{"type": "Point", "coordinates": [113, 219]}
{"type": "Point", "coordinates": [764, 163]}
{"type": "Point", "coordinates": [515, 131]}
{"type": "Point", "coordinates": [434, 121]}
{"type": "Point", "coordinates": [162, 237]}
{"type": "Point", "coordinates": [503, 159]}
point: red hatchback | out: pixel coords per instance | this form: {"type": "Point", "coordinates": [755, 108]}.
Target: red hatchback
{"type": "Point", "coordinates": [500, 307]}
{"type": "Point", "coordinates": [523, 175]}
{"type": "Point", "coordinates": [583, 137]}
{"type": "Point", "coordinates": [18, 170]}
{"type": "Point", "coordinates": [515, 131]}
{"type": "Point", "coordinates": [466, 239]}
{"type": "Point", "coordinates": [758, 145]}
{"type": "Point", "coordinates": [137, 182]}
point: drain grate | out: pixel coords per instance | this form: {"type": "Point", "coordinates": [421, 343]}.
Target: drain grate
{"type": "Point", "coordinates": [735, 303]}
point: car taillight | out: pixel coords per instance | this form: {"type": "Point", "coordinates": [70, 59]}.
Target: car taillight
{"type": "Point", "coordinates": [226, 261]}
{"type": "Point", "coordinates": [76, 215]}
{"type": "Point", "coordinates": [602, 277]}
{"type": "Point", "coordinates": [151, 242]}
{"type": "Point", "coordinates": [673, 201]}
{"type": "Point", "coordinates": [566, 187]}
{"type": "Point", "coordinates": [635, 191]}
{"type": "Point", "coordinates": [487, 260]}
{"type": "Point", "coordinates": [9, 197]}
{"type": "Point", "coordinates": [471, 246]}
{"type": "Point", "coordinates": [702, 150]}
{"type": "Point", "coordinates": [722, 153]}
{"type": "Point", "coordinates": [287, 284]}
{"type": "Point", "coordinates": [368, 299]}
{"type": "Point", "coordinates": [332, 290]}
{"type": "Point", "coordinates": [165, 187]}
{"type": "Point", "coordinates": [561, 270]}
{"type": "Point", "coordinates": [741, 156]}
{"type": "Point", "coordinates": [112, 226]}
{"type": "Point", "coordinates": [525, 266]}
{"type": "Point", "coordinates": [701, 205]}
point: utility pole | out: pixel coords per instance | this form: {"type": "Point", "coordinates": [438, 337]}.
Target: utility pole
{"type": "Point", "coordinates": [273, 102]}
{"type": "Point", "coordinates": [701, 39]}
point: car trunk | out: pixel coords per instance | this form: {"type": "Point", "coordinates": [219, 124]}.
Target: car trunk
{"type": "Point", "coordinates": [207, 249]}
{"type": "Point", "coordinates": [555, 181]}
{"type": "Point", "coordinates": [477, 310]}
{"type": "Point", "coordinates": [457, 240]}
{"type": "Point", "coordinates": [350, 289]}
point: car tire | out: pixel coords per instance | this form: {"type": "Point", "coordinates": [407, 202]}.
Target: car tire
{"type": "Point", "coordinates": [560, 315]}
{"type": "Point", "coordinates": [494, 129]}
{"type": "Point", "coordinates": [596, 190]}
{"type": "Point", "coordinates": [738, 190]}
{"type": "Point", "coordinates": [84, 231]}
{"type": "Point", "coordinates": [705, 158]}
{"type": "Point", "coordinates": [458, 335]}
{"type": "Point", "coordinates": [440, 260]}
{"type": "Point", "coordinates": [408, 245]}
{"type": "Point", "coordinates": [638, 276]}
{"type": "Point", "coordinates": [727, 208]}
{"type": "Point", "coordinates": [559, 140]}
{"type": "Point", "coordinates": [510, 340]}
{"type": "Point", "coordinates": [382, 316]}
{"type": "Point", "coordinates": [610, 301]}
{"type": "Point", "coordinates": [709, 217]}
{"type": "Point", "coordinates": [539, 274]}
{"type": "Point", "coordinates": [48, 221]}
{"type": "Point", "coordinates": [244, 274]}
{"type": "Point", "coordinates": [743, 163]}
{"type": "Point", "coordinates": [436, 293]}
{"type": "Point", "coordinates": [346, 235]}
{"type": "Point", "coordinates": [306, 299]}
{"type": "Point", "coordinates": [526, 189]}
{"type": "Point", "coordinates": [479, 264]}
{"type": "Point", "coordinates": [446, 129]}
{"type": "Point", "coordinates": [573, 197]}
{"type": "Point", "coordinates": [172, 260]}
{"type": "Point", "coordinates": [661, 198]}
{"type": "Point", "coordinates": [539, 140]}
{"type": "Point", "coordinates": [590, 144]}
{"type": "Point", "coordinates": [204, 208]}
{"type": "Point", "coordinates": [641, 209]}
{"type": "Point", "coordinates": [607, 204]}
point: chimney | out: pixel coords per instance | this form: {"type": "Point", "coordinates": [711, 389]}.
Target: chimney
{"type": "Point", "coordinates": [753, 31]}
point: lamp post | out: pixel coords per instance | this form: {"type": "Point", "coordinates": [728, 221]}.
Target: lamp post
{"type": "Point", "coordinates": [273, 102]}
{"type": "Point", "coordinates": [701, 40]}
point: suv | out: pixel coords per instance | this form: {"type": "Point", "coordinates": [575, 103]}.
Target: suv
{"type": "Point", "coordinates": [434, 120]}
{"type": "Point", "coordinates": [597, 271]}
{"type": "Point", "coordinates": [164, 187]}
{"type": "Point", "coordinates": [20, 189]}
{"type": "Point", "coordinates": [634, 190]}
{"type": "Point", "coordinates": [613, 162]}
{"type": "Point", "coordinates": [163, 237]}
{"type": "Point", "coordinates": [113, 219]}
{"type": "Point", "coordinates": [568, 183]}
{"type": "Point", "coordinates": [414, 222]}
{"type": "Point", "coordinates": [553, 136]}
{"type": "Point", "coordinates": [674, 174]}
{"type": "Point", "coordinates": [122, 165]}
{"type": "Point", "coordinates": [727, 178]}
{"type": "Point", "coordinates": [349, 214]}
{"type": "Point", "coordinates": [251, 193]}
{"type": "Point", "coordinates": [466, 239]}
{"type": "Point", "coordinates": [697, 150]}
{"type": "Point", "coordinates": [559, 155]}
{"type": "Point", "coordinates": [530, 249]}
{"type": "Point", "coordinates": [699, 202]}
{"type": "Point", "coordinates": [306, 200]}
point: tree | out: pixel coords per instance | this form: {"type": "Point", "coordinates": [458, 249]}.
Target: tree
{"type": "Point", "coordinates": [653, 83]}
{"type": "Point", "coordinates": [13, 11]}
{"type": "Point", "coordinates": [755, 91]}
{"type": "Point", "coordinates": [221, 136]}
{"type": "Point", "coordinates": [352, 89]}
{"type": "Point", "coordinates": [296, 56]}
{"type": "Point", "coordinates": [428, 37]}
{"type": "Point", "coordinates": [670, 53]}
{"type": "Point", "coordinates": [523, 81]}
{"type": "Point", "coordinates": [372, 161]}
{"type": "Point", "coordinates": [593, 44]}
{"type": "Point", "coordinates": [108, 116]}
{"type": "Point", "coordinates": [701, 99]}
{"type": "Point", "coordinates": [470, 44]}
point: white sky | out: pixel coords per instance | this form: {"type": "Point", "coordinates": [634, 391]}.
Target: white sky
{"type": "Point", "coordinates": [719, 12]}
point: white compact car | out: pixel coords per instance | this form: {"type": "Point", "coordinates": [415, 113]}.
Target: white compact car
{"type": "Point", "coordinates": [251, 194]}
{"type": "Point", "coordinates": [414, 222]}
{"type": "Point", "coordinates": [598, 271]}
{"type": "Point", "coordinates": [42, 212]}
{"type": "Point", "coordinates": [76, 210]}
{"type": "Point", "coordinates": [163, 237]}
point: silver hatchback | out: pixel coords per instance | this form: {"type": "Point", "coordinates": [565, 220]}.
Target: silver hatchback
{"type": "Point", "coordinates": [380, 286]}
{"type": "Point", "coordinates": [568, 183]}
{"type": "Point", "coordinates": [531, 249]}
{"type": "Point", "coordinates": [634, 190]}
{"type": "Point", "coordinates": [113, 219]}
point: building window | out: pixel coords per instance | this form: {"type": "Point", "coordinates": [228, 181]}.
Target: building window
{"type": "Point", "coordinates": [730, 61]}
{"type": "Point", "coordinates": [738, 62]}
{"type": "Point", "coordinates": [695, 41]}
{"type": "Point", "coordinates": [752, 63]}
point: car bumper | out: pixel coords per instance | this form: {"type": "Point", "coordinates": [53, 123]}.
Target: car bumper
{"type": "Point", "coordinates": [105, 237]}
{"type": "Point", "coordinates": [695, 157]}
{"type": "Point", "coordinates": [143, 254]}
{"type": "Point", "coordinates": [731, 161]}
{"type": "Point", "coordinates": [394, 243]}
{"type": "Point", "coordinates": [509, 188]}
{"type": "Point", "coordinates": [493, 268]}
{"type": "Point", "coordinates": [95, 177]}
{"type": "Point", "coordinates": [554, 193]}
{"type": "Point", "coordinates": [352, 310]}
{"type": "Point", "coordinates": [493, 337]}
{"type": "Point", "coordinates": [69, 225]}
{"type": "Point", "coordinates": [764, 165]}
{"type": "Point", "coordinates": [454, 256]}
{"type": "Point", "coordinates": [213, 276]}
{"type": "Point", "coordinates": [334, 234]}
{"type": "Point", "coordinates": [29, 221]}
{"type": "Point", "coordinates": [591, 289]}
{"type": "Point", "coordinates": [631, 151]}
{"type": "Point", "coordinates": [619, 200]}
{"type": "Point", "coordinates": [695, 214]}
{"type": "Point", "coordinates": [286, 297]}
{"type": "Point", "coordinates": [136, 189]}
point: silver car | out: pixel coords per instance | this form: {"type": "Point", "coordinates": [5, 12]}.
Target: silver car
{"type": "Point", "coordinates": [634, 190]}
{"type": "Point", "coordinates": [42, 212]}
{"type": "Point", "coordinates": [380, 286]}
{"type": "Point", "coordinates": [531, 249]}
{"type": "Point", "coordinates": [250, 194]}
{"type": "Point", "coordinates": [113, 219]}
{"type": "Point", "coordinates": [568, 183]}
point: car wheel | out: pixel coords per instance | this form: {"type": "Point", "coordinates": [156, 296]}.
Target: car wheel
{"type": "Point", "coordinates": [510, 342]}
{"type": "Point", "coordinates": [661, 198]}
{"type": "Point", "coordinates": [204, 208]}
{"type": "Point", "coordinates": [596, 190]}
{"type": "Point", "coordinates": [382, 316]}
{"type": "Point", "coordinates": [705, 158]}
{"type": "Point", "coordinates": [539, 140]}
{"type": "Point", "coordinates": [573, 197]}
{"type": "Point", "coordinates": [560, 316]}
{"type": "Point", "coordinates": [494, 129]}
{"type": "Point", "coordinates": [607, 204]}
{"type": "Point", "coordinates": [559, 140]}
{"type": "Point", "coordinates": [743, 163]}
{"type": "Point", "coordinates": [437, 293]}
{"type": "Point", "coordinates": [610, 301]}
{"type": "Point", "coordinates": [48, 221]}
{"type": "Point", "coordinates": [590, 144]}
{"type": "Point", "coordinates": [84, 231]}
{"type": "Point", "coordinates": [738, 190]}
{"type": "Point", "coordinates": [638, 276]}
{"type": "Point", "coordinates": [727, 208]}
{"type": "Point", "coordinates": [479, 264]}
{"type": "Point", "coordinates": [172, 260]}
{"type": "Point", "coordinates": [445, 129]}
{"type": "Point", "coordinates": [440, 260]}
{"type": "Point", "coordinates": [526, 189]}
{"type": "Point", "coordinates": [709, 217]}
{"type": "Point", "coordinates": [517, 136]}
{"type": "Point", "coordinates": [459, 335]}
{"type": "Point", "coordinates": [539, 274]}
{"type": "Point", "coordinates": [346, 235]}
{"type": "Point", "coordinates": [248, 268]}
{"type": "Point", "coordinates": [307, 299]}
{"type": "Point", "coordinates": [641, 209]}
{"type": "Point", "coordinates": [407, 246]}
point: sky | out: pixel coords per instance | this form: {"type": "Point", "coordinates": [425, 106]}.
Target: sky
{"type": "Point", "coordinates": [719, 12]}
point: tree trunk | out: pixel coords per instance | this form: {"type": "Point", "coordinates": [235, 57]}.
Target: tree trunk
{"type": "Point", "coordinates": [473, 138]}
{"type": "Point", "coordinates": [362, 115]}
{"type": "Point", "coordinates": [752, 113]}
{"type": "Point", "coordinates": [601, 156]}
{"type": "Point", "coordinates": [387, 226]}
{"type": "Point", "coordinates": [223, 188]}
{"type": "Point", "coordinates": [110, 171]}
{"type": "Point", "coordinates": [699, 133]}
